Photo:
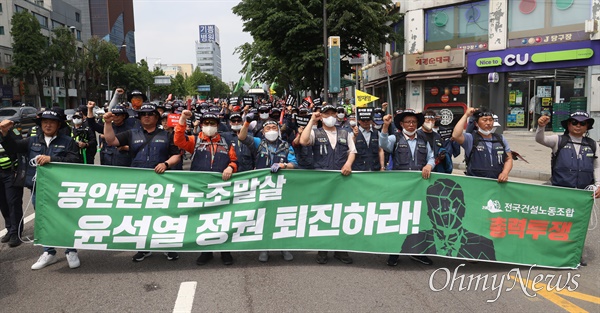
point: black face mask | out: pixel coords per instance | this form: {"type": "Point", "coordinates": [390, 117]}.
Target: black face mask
{"type": "Point", "coordinates": [437, 123]}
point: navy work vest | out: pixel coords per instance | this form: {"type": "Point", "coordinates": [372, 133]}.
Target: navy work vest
{"type": "Point", "coordinates": [153, 153]}
{"type": "Point", "coordinates": [304, 156]}
{"type": "Point", "coordinates": [245, 154]}
{"type": "Point", "coordinates": [403, 158]}
{"type": "Point", "coordinates": [480, 162]}
{"type": "Point", "coordinates": [37, 146]}
{"type": "Point", "coordinates": [571, 169]}
{"type": "Point", "coordinates": [110, 155]}
{"type": "Point", "coordinates": [265, 156]}
{"type": "Point", "coordinates": [324, 156]}
{"type": "Point", "coordinates": [367, 157]}
{"type": "Point", "coordinates": [203, 158]}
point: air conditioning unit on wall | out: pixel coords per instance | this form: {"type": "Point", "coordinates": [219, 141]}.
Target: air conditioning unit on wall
{"type": "Point", "coordinates": [591, 26]}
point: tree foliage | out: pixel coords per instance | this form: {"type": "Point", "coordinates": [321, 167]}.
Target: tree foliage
{"type": "Point", "coordinates": [288, 36]}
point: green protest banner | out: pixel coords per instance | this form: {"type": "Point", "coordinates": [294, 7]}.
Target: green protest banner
{"type": "Point", "coordinates": [110, 208]}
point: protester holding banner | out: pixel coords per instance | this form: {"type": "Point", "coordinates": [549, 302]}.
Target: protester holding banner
{"type": "Point", "coordinates": [369, 156]}
{"type": "Point", "coordinates": [409, 152]}
{"type": "Point", "coordinates": [443, 161]}
{"type": "Point", "coordinates": [149, 146]}
{"type": "Point", "coordinates": [211, 153]}
{"type": "Point", "coordinates": [51, 146]}
{"type": "Point", "coordinates": [271, 152]}
{"type": "Point", "coordinates": [487, 154]}
{"type": "Point", "coordinates": [333, 149]}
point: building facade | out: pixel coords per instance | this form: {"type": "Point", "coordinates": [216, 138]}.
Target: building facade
{"type": "Point", "coordinates": [511, 57]}
{"type": "Point", "coordinates": [208, 51]}
{"type": "Point", "coordinates": [114, 22]}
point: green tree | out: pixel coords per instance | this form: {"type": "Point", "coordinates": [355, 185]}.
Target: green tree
{"type": "Point", "coordinates": [288, 36]}
{"type": "Point", "coordinates": [102, 60]}
{"type": "Point", "coordinates": [30, 52]}
{"type": "Point", "coordinates": [64, 54]}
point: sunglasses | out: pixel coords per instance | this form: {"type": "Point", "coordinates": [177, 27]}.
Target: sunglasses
{"type": "Point", "coordinates": [146, 113]}
{"type": "Point", "coordinates": [209, 123]}
{"type": "Point", "coordinates": [236, 121]}
{"type": "Point", "coordinates": [575, 122]}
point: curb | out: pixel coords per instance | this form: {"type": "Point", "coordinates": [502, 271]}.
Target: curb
{"type": "Point", "coordinates": [541, 176]}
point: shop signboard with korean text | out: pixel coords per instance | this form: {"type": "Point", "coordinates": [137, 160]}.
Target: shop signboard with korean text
{"type": "Point", "coordinates": [434, 60]}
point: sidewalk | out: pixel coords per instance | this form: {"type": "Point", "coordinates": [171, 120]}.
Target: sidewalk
{"type": "Point", "coordinates": [524, 143]}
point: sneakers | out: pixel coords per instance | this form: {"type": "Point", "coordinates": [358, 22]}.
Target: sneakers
{"type": "Point", "coordinates": [263, 256]}
{"type": "Point", "coordinates": [73, 259]}
{"type": "Point", "coordinates": [421, 259]}
{"type": "Point", "coordinates": [226, 258]}
{"type": "Point", "coordinates": [172, 256]}
{"type": "Point", "coordinates": [44, 260]}
{"type": "Point", "coordinates": [5, 239]}
{"type": "Point", "coordinates": [287, 255]}
{"type": "Point", "coordinates": [14, 241]}
{"type": "Point", "coordinates": [204, 258]}
{"type": "Point", "coordinates": [392, 260]}
{"type": "Point", "coordinates": [343, 257]}
{"type": "Point", "coordinates": [140, 256]}
{"type": "Point", "coordinates": [322, 257]}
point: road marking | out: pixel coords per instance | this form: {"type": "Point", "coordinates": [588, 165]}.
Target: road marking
{"type": "Point", "coordinates": [185, 297]}
{"type": "Point", "coordinates": [554, 296]}
{"type": "Point", "coordinates": [25, 221]}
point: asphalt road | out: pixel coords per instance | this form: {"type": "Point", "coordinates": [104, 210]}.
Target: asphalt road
{"type": "Point", "coordinates": [111, 282]}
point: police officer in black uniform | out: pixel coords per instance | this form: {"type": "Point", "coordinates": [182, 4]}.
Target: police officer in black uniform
{"type": "Point", "coordinates": [149, 147]}
{"type": "Point", "coordinates": [11, 192]}
{"type": "Point", "coordinates": [85, 138]}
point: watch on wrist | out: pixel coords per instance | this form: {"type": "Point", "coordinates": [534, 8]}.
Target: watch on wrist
{"type": "Point", "coordinates": [166, 164]}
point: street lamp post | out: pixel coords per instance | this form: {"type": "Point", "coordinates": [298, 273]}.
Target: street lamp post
{"type": "Point", "coordinates": [325, 82]}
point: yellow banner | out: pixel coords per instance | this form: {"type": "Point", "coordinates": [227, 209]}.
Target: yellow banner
{"type": "Point", "coordinates": [362, 98]}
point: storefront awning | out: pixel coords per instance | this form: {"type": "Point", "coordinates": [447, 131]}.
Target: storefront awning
{"type": "Point", "coordinates": [435, 75]}
{"type": "Point", "coordinates": [376, 83]}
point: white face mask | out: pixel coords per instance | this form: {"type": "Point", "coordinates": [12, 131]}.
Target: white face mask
{"type": "Point", "coordinates": [264, 116]}
{"type": "Point", "coordinates": [494, 129]}
{"type": "Point", "coordinates": [486, 132]}
{"type": "Point", "coordinates": [428, 126]}
{"type": "Point", "coordinates": [341, 115]}
{"type": "Point", "coordinates": [272, 135]}
{"type": "Point", "coordinates": [352, 123]}
{"type": "Point", "coordinates": [377, 126]}
{"type": "Point", "coordinates": [436, 129]}
{"type": "Point", "coordinates": [236, 127]}
{"type": "Point", "coordinates": [209, 130]}
{"type": "Point", "coordinates": [408, 133]}
{"type": "Point", "coordinates": [329, 121]}
{"type": "Point", "coordinates": [77, 121]}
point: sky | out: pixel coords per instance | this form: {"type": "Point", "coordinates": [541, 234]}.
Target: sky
{"type": "Point", "coordinates": [166, 32]}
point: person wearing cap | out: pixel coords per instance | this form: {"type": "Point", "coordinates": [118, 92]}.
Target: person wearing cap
{"type": "Point", "coordinates": [149, 147]}
{"type": "Point", "coordinates": [574, 154]}
{"type": "Point", "coordinates": [487, 154]}
{"type": "Point", "coordinates": [333, 149]}
{"type": "Point", "coordinates": [211, 152]}
{"type": "Point", "coordinates": [109, 155]}
{"type": "Point", "coordinates": [304, 154]}
{"type": "Point", "coordinates": [137, 99]}
{"type": "Point", "coordinates": [85, 138]}
{"type": "Point", "coordinates": [443, 161]}
{"type": "Point", "coordinates": [50, 145]}
{"type": "Point", "coordinates": [271, 152]}
{"type": "Point", "coordinates": [340, 117]}
{"type": "Point", "coordinates": [12, 168]}
{"type": "Point", "coordinates": [408, 152]}
{"type": "Point", "coordinates": [245, 154]}
{"type": "Point", "coordinates": [369, 156]}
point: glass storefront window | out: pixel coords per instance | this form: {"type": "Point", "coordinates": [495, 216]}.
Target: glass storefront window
{"type": "Point", "coordinates": [466, 23]}
{"type": "Point", "coordinates": [535, 18]}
